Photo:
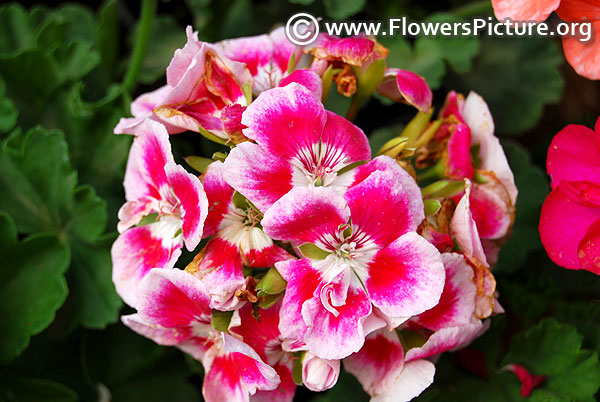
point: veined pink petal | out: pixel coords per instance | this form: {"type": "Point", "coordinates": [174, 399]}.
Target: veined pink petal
{"type": "Point", "coordinates": [524, 10]}
{"type": "Point", "coordinates": [133, 211]}
{"type": "Point", "coordinates": [354, 51]}
{"type": "Point", "coordinates": [283, 393]}
{"type": "Point", "coordinates": [149, 153]}
{"type": "Point", "coordinates": [457, 304]}
{"type": "Point", "coordinates": [254, 372]}
{"type": "Point", "coordinates": [343, 142]}
{"type": "Point", "coordinates": [415, 378]}
{"type": "Point", "coordinates": [335, 337]}
{"type": "Point", "coordinates": [380, 209]}
{"type": "Point", "coordinates": [260, 176]}
{"type": "Point", "coordinates": [564, 222]}
{"type": "Point", "coordinates": [159, 334]}
{"type": "Point", "coordinates": [404, 181]}
{"type": "Point", "coordinates": [307, 78]}
{"type": "Point", "coordinates": [302, 281]}
{"type": "Point", "coordinates": [262, 335]}
{"type": "Point", "coordinates": [285, 121]}
{"type": "Point", "coordinates": [406, 87]}
{"type": "Point", "coordinates": [445, 339]}
{"type": "Point", "coordinates": [192, 201]}
{"type": "Point", "coordinates": [219, 194]}
{"type": "Point", "coordinates": [464, 229]}
{"type": "Point", "coordinates": [379, 362]}
{"type": "Point", "coordinates": [173, 299]}
{"type": "Point", "coordinates": [306, 214]}
{"type": "Point", "coordinates": [477, 116]}
{"type": "Point", "coordinates": [574, 155]}
{"type": "Point", "coordinates": [221, 272]}
{"type": "Point", "coordinates": [458, 165]}
{"type": "Point", "coordinates": [406, 277]}
{"type": "Point", "coordinates": [319, 374]}
{"type": "Point", "coordinates": [283, 49]}
{"type": "Point", "coordinates": [223, 381]}
{"type": "Point", "coordinates": [136, 252]}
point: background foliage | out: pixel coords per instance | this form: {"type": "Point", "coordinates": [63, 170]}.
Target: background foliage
{"type": "Point", "coordinates": [66, 76]}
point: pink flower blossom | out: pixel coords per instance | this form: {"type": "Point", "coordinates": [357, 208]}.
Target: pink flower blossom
{"type": "Point", "coordinates": [237, 241]}
{"type": "Point", "coordinates": [570, 220]}
{"type": "Point", "coordinates": [298, 143]}
{"type": "Point", "coordinates": [365, 253]}
{"type": "Point", "coordinates": [172, 200]}
{"type": "Point", "coordinates": [174, 310]}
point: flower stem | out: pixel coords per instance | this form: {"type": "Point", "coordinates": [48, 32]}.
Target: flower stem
{"type": "Point", "coordinates": [148, 10]}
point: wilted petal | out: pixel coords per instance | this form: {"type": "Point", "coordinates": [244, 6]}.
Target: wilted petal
{"type": "Point", "coordinates": [406, 87]}
{"type": "Point", "coordinates": [464, 229]}
{"type": "Point", "coordinates": [379, 362]}
{"type": "Point", "coordinates": [183, 57]}
{"type": "Point", "coordinates": [491, 209]}
{"type": "Point", "coordinates": [406, 277]}
{"type": "Point", "coordinates": [306, 214]}
{"type": "Point", "coordinates": [136, 252]}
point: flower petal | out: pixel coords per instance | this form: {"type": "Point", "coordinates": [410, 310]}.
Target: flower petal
{"type": "Point", "coordinates": [447, 339]}
{"type": "Point", "coordinates": [458, 162]}
{"type": "Point", "coordinates": [524, 10]}
{"type": "Point", "coordinates": [464, 229]}
{"type": "Point", "coordinates": [457, 304]}
{"type": "Point", "coordinates": [284, 392]}
{"type": "Point", "coordinates": [219, 194]}
{"type": "Point", "coordinates": [306, 78]}
{"type": "Point", "coordinates": [173, 299]}
{"type": "Point", "coordinates": [192, 201]}
{"type": "Point", "coordinates": [589, 249]}
{"type": "Point", "coordinates": [285, 121]}
{"type": "Point", "coordinates": [343, 143]}
{"type": "Point", "coordinates": [159, 334]}
{"type": "Point", "coordinates": [414, 379]}
{"type": "Point", "coordinates": [319, 374]}
{"type": "Point", "coordinates": [335, 337]}
{"type": "Point", "coordinates": [258, 175]}
{"type": "Point", "coordinates": [574, 155]}
{"type": "Point", "coordinates": [406, 277]}
{"type": "Point", "coordinates": [406, 87]}
{"type": "Point", "coordinates": [584, 57]}
{"type": "Point", "coordinates": [379, 362]}
{"type": "Point", "coordinates": [493, 214]}
{"type": "Point", "coordinates": [136, 252]}
{"type": "Point", "coordinates": [306, 214]}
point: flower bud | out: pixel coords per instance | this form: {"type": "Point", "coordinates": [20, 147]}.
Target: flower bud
{"type": "Point", "coordinates": [319, 374]}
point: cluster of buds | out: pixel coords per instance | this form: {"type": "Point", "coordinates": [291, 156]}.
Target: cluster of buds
{"type": "Point", "coordinates": [317, 254]}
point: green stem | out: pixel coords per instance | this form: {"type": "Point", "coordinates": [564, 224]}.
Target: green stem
{"type": "Point", "coordinates": [471, 10]}
{"type": "Point", "coordinates": [141, 44]}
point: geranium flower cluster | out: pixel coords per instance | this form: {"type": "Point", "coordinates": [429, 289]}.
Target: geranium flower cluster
{"type": "Point", "coordinates": [316, 254]}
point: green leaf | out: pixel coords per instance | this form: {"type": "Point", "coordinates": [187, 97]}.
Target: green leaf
{"type": "Point", "coordinates": [429, 55]}
{"type": "Point", "coordinates": [554, 349]}
{"type": "Point", "coordinates": [21, 389]}
{"type": "Point", "coordinates": [198, 163]}
{"type": "Point", "coordinates": [32, 286]}
{"type": "Point", "coordinates": [16, 28]}
{"type": "Point", "coordinates": [517, 78]}
{"type": "Point", "coordinates": [8, 114]}
{"type": "Point", "coordinates": [341, 9]}
{"type": "Point", "coordinates": [533, 188]}
{"type": "Point", "coordinates": [77, 59]}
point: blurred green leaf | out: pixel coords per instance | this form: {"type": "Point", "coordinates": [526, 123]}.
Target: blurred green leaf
{"type": "Point", "coordinates": [108, 36]}
{"type": "Point", "coordinates": [533, 188]}
{"type": "Point", "coordinates": [517, 78]}
{"type": "Point", "coordinates": [382, 135]}
{"type": "Point", "coordinates": [341, 9]}
{"type": "Point", "coordinates": [32, 286]}
{"type": "Point", "coordinates": [77, 59]}
{"type": "Point", "coordinates": [20, 389]}
{"type": "Point", "coordinates": [554, 349]}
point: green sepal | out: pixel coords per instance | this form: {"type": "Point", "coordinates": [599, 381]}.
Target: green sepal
{"type": "Point", "coordinates": [198, 163]}
{"type": "Point", "coordinates": [350, 167]}
{"type": "Point", "coordinates": [247, 91]}
{"type": "Point", "coordinates": [268, 300]}
{"type": "Point", "coordinates": [393, 147]}
{"type": "Point", "coordinates": [239, 201]}
{"type": "Point", "coordinates": [148, 219]}
{"type": "Point", "coordinates": [327, 80]}
{"type": "Point", "coordinates": [271, 284]}
{"type": "Point", "coordinates": [297, 368]}
{"type": "Point", "coordinates": [411, 339]}
{"type": "Point", "coordinates": [313, 252]}
{"type": "Point", "coordinates": [220, 320]}
{"type": "Point", "coordinates": [219, 156]}
{"type": "Point", "coordinates": [291, 63]}
{"type": "Point", "coordinates": [416, 126]}
{"type": "Point", "coordinates": [443, 189]}
{"type": "Point", "coordinates": [212, 137]}
{"type": "Point", "coordinates": [432, 207]}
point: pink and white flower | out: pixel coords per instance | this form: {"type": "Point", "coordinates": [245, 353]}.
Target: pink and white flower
{"type": "Point", "coordinates": [365, 253]}
{"type": "Point", "coordinates": [174, 310]}
{"type": "Point", "coordinates": [406, 87]}
{"type": "Point", "coordinates": [171, 199]}
{"type": "Point", "coordinates": [266, 56]}
{"type": "Point", "coordinates": [237, 241]}
{"type": "Point", "coordinates": [298, 143]}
